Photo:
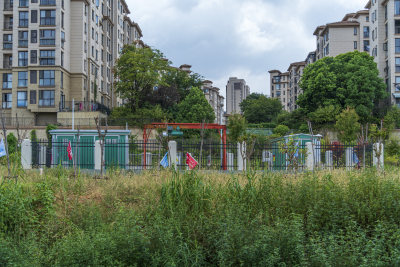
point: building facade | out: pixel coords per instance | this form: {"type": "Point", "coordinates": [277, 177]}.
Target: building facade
{"type": "Point", "coordinates": [280, 87]}
{"type": "Point", "coordinates": [385, 43]}
{"type": "Point", "coordinates": [56, 51]}
{"type": "Point", "coordinates": [216, 100]}
{"type": "Point", "coordinates": [236, 92]}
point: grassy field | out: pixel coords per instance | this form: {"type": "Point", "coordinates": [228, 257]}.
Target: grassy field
{"type": "Point", "coordinates": [201, 219]}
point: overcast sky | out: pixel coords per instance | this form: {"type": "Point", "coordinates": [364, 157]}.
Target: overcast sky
{"type": "Point", "coordinates": [236, 38]}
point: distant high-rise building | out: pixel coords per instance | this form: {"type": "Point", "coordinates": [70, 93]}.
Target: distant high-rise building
{"type": "Point", "coordinates": [215, 99]}
{"type": "Point", "coordinates": [236, 92]}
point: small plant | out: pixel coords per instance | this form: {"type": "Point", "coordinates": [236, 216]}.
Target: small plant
{"type": "Point", "coordinates": [294, 153]}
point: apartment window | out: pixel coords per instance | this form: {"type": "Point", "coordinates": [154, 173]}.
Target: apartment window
{"type": "Point", "coordinates": [34, 1]}
{"type": "Point", "coordinates": [366, 45]}
{"type": "Point", "coordinates": [92, 51]}
{"type": "Point", "coordinates": [367, 18]}
{"type": "Point", "coordinates": [62, 39]}
{"type": "Point", "coordinates": [366, 32]}
{"type": "Point", "coordinates": [62, 59]}
{"type": "Point", "coordinates": [397, 26]}
{"type": "Point", "coordinates": [47, 57]}
{"type": "Point", "coordinates": [7, 41]}
{"type": "Point", "coordinates": [34, 16]}
{"type": "Point", "coordinates": [23, 38]}
{"type": "Point", "coordinates": [62, 3]}
{"type": "Point", "coordinates": [23, 19]}
{"type": "Point", "coordinates": [92, 33]}
{"type": "Point", "coordinates": [47, 17]}
{"type": "Point", "coordinates": [48, 2]}
{"type": "Point", "coordinates": [85, 28]}
{"type": "Point", "coordinates": [46, 78]}
{"type": "Point", "coordinates": [33, 77]}
{"type": "Point", "coordinates": [397, 45]}
{"type": "Point", "coordinates": [7, 101]}
{"type": "Point", "coordinates": [46, 98]}
{"type": "Point", "coordinates": [355, 31]}
{"type": "Point", "coordinates": [23, 3]}
{"type": "Point", "coordinates": [397, 64]}
{"type": "Point", "coordinates": [47, 37]}
{"type": "Point", "coordinates": [397, 7]}
{"type": "Point", "coordinates": [62, 20]}
{"type": "Point", "coordinates": [22, 58]}
{"type": "Point", "coordinates": [397, 83]}
{"type": "Point", "coordinates": [386, 12]}
{"type": "Point", "coordinates": [22, 79]}
{"type": "Point", "coordinates": [32, 97]}
{"type": "Point", "coordinates": [22, 100]}
{"type": "Point", "coordinates": [7, 80]}
{"type": "Point", "coordinates": [355, 44]}
{"type": "Point", "coordinates": [62, 80]}
{"type": "Point", "coordinates": [34, 36]}
{"type": "Point", "coordinates": [97, 3]}
{"type": "Point", "coordinates": [33, 56]}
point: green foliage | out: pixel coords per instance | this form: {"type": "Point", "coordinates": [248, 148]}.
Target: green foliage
{"type": "Point", "coordinates": [294, 120]}
{"type": "Point", "coordinates": [138, 71]}
{"type": "Point", "coordinates": [34, 136]}
{"type": "Point", "coordinates": [195, 108]}
{"type": "Point", "coordinates": [259, 109]}
{"type": "Point", "coordinates": [347, 125]}
{"type": "Point", "coordinates": [237, 125]}
{"type": "Point", "coordinates": [12, 142]}
{"type": "Point", "coordinates": [348, 80]}
{"type": "Point", "coordinates": [324, 117]}
{"type": "Point", "coordinates": [392, 118]}
{"type": "Point", "coordinates": [140, 117]}
{"type": "Point", "coordinates": [293, 151]}
{"type": "Point", "coordinates": [49, 128]}
{"type": "Point", "coordinates": [393, 147]}
{"type": "Point", "coordinates": [281, 130]}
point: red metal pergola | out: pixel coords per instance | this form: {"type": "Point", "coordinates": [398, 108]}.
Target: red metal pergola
{"type": "Point", "coordinates": [199, 126]}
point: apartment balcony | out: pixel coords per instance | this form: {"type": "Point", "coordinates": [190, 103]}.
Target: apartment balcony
{"type": "Point", "coordinates": [7, 64]}
{"type": "Point", "coordinates": [8, 5]}
{"type": "Point", "coordinates": [84, 106]}
{"type": "Point", "coordinates": [8, 25]}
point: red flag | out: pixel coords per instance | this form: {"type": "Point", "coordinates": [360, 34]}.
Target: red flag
{"type": "Point", "coordinates": [190, 161]}
{"type": "Point", "coordinates": [69, 150]}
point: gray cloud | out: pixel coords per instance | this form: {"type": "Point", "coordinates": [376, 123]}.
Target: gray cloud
{"type": "Point", "coordinates": [242, 38]}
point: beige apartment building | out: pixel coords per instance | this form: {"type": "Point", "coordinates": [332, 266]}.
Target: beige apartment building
{"type": "Point", "coordinates": [385, 43]}
{"type": "Point", "coordinates": [280, 87]}
{"type": "Point", "coordinates": [55, 51]}
{"type": "Point", "coordinates": [236, 92]}
{"type": "Point", "coordinates": [216, 100]}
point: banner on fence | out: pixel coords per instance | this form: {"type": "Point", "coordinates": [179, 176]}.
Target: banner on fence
{"type": "Point", "coordinates": [190, 161]}
{"type": "Point", "coordinates": [69, 150]}
{"type": "Point", "coordinates": [2, 148]}
{"type": "Point", "coordinates": [164, 161]}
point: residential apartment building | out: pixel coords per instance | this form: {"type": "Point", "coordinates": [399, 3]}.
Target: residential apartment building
{"type": "Point", "coordinates": [215, 99]}
{"type": "Point", "coordinates": [385, 43]}
{"type": "Point", "coordinates": [280, 87]}
{"type": "Point", "coordinates": [349, 34]}
{"type": "Point", "coordinates": [56, 51]}
{"type": "Point", "coordinates": [236, 92]}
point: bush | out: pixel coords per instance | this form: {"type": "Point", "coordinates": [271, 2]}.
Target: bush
{"type": "Point", "coordinates": [281, 130]}
{"type": "Point", "coordinates": [12, 142]}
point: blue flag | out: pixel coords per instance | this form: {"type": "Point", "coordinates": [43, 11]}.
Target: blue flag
{"type": "Point", "coordinates": [164, 161]}
{"type": "Point", "coordinates": [355, 159]}
{"type": "Point", "coordinates": [2, 148]}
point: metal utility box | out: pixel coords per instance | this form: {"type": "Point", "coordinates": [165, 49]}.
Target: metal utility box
{"type": "Point", "coordinates": [116, 148]}
{"type": "Point", "coordinates": [280, 161]}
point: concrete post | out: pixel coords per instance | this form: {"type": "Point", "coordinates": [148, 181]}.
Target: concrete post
{"type": "Point", "coordinates": [241, 151]}
{"type": "Point", "coordinates": [97, 155]}
{"type": "Point", "coordinates": [230, 161]}
{"type": "Point", "coordinates": [329, 159]}
{"type": "Point", "coordinates": [26, 154]}
{"type": "Point", "coordinates": [42, 155]}
{"type": "Point", "coordinates": [172, 159]}
{"type": "Point", "coordinates": [310, 156]}
{"type": "Point", "coordinates": [349, 158]}
{"type": "Point", "coordinates": [378, 162]}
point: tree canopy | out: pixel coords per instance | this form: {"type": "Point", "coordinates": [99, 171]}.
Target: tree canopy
{"type": "Point", "coordinates": [348, 80]}
{"type": "Point", "coordinates": [195, 108]}
{"type": "Point", "coordinates": [257, 108]}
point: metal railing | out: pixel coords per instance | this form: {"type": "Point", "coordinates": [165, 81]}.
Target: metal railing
{"type": "Point", "coordinates": [137, 155]}
{"type": "Point", "coordinates": [84, 106]}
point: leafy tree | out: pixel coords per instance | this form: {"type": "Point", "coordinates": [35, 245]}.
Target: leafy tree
{"type": "Point", "coordinates": [324, 117]}
{"type": "Point", "coordinates": [195, 108]}
{"type": "Point", "coordinates": [281, 130]}
{"type": "Point", "coordinates": [392, 118]}
{"type": "Point", "coordinates": [347, 125]}
{"type": "Point", "coordinates": [294, 120]}
{"type": "Point", "coordinates": [237, 125]}
{"type": "Point", "coordinates": [259, 108]}
{"type": "Point", "coordinates": [141, 116]}
{"type": "Point", "coordinates": [348, 80]}
{"type": "Point", "coordinates": [139, 71]}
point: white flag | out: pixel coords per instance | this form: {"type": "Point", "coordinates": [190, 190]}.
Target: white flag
{"type": "Point", "coordinates": [2, 148]}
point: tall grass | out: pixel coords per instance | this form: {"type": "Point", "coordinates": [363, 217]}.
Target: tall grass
{"type": "Point", "coordinates": [201, 219]}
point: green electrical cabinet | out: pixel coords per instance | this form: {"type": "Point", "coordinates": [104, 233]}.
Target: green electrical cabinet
{"type": "Point", "coordinates": [280, 159]}
{"type": "Point", "coordinates": [116, 148]}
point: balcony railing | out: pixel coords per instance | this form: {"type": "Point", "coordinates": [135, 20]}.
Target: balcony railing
{"type": "Point", "coordinates": [81, 106]}
{"type": "Point", "coordinates": [8, 25]}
